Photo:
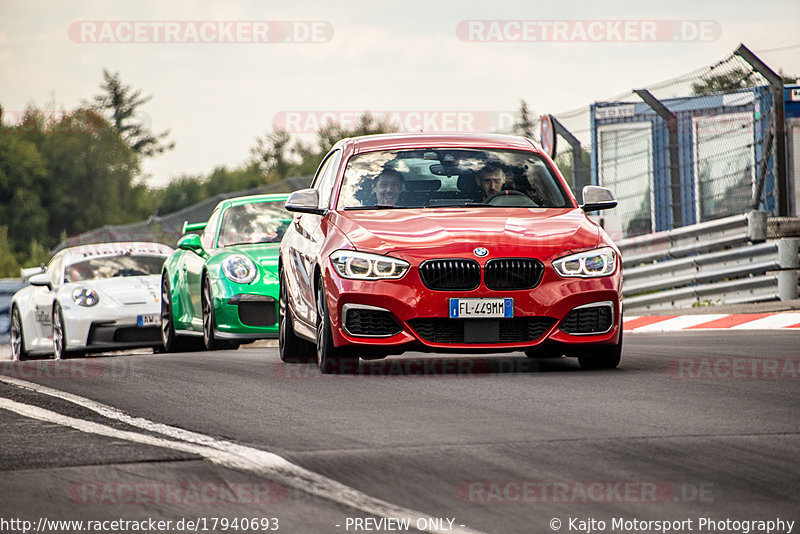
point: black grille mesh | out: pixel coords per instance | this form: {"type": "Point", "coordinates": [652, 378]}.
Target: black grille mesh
{"type": "Point", "coordinates": [136, 335]}
{"type": "Point", "coordinates": [512, 274]}
{"type": "Point", "coordinates": [101, 334]}
{"type": "Point", "coordinates": [450, 275]}
{"type": "Point", "coordinates": [258, 313]}
{"type": "Point", "coordinates": [595, 319]}
{"type": "Point", "coordinates": [373, 323]}
{"type": "Point", "coordinates": [512, 330]}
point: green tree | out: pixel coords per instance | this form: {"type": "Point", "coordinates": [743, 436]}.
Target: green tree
{"type": "Point", "coordinates": [273, 153]}
{"type": "Point", "coordinates": [37, 255]}
{"type": "Point", "coordinates": [9, 267]}
{"type": "Point", "coordinates": [725, 82]}
{"type": "Point", "coordinates": [737, 78]}
{"type": "Point", "coordinates": [280, 158]}
{"type": "Point", "coordinates": [24, 179]}
{"type": "Point", "coordinates": [121, 103]}
{"type": "Point", "coordinates": [368, 124]}
{"type": "Point", "coordinates": [565, 163]}
{"type": "Point", "coordinates": [179, 193]}
{"type": "Point", "coordinates": [788, 79]}
{"type": "Point", "coordinates": [524, 125]}
{"type": "Point", "coordinates": [97, 173]}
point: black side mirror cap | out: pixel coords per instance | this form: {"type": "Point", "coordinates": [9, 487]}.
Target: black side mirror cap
{"type": "Point", "coordinates": [597, 198]}
{"type": "Point", "coordinates": [305, 201]}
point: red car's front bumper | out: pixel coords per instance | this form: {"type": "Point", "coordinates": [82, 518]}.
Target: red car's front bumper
{"type": "Point", "coordinates": [540, 312]}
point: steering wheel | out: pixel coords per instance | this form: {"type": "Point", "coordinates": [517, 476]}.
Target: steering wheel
{"type": "Point", "coordinates": [509, 197]}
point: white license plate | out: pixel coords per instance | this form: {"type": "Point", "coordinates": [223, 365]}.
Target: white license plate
{"type": "Point", "coordinates": [481, 308]}
{"type": "Point", "coordinates": [153, 319]}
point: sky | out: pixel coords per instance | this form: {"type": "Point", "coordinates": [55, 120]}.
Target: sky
{"type": "Point", "coordinates": [223, 74]}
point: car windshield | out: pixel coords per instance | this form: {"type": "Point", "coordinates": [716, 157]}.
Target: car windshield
{"type": "Point", "coordinates": [113, 266]}
{"type": "Point", "coordinates": [257, 222]}
{"type": "Point", "coordinates": [425, 178]}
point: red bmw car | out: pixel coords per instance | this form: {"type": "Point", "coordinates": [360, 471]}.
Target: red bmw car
{"type": "Point", "coordinates": [446, 243]}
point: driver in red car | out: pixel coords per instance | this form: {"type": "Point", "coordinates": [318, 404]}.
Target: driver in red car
{"type": "Point", "coordinates": [492, 179]}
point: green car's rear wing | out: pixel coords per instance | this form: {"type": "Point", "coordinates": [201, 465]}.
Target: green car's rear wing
{"type": "Point", "coordinates": [196, 227]}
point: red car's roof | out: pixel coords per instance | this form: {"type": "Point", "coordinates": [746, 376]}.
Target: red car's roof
{"type": "Point", "coordinates": [368, 143]}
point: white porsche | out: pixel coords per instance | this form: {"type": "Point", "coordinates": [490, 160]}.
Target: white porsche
{"type": "Point", "coordinates": [90, 298]}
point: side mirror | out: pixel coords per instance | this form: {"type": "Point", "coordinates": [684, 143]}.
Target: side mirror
{"type": "Point", "coordinates": [305, 201]}
{"type": "Point", "coordinates": [191, 242]}
{"type": "Point", "coordinates": [598, 198]}
{"type": "Point", "coordinates": [41, 280]}
{"type": "Point", "coordinates": [30, 271]}
{"type": "Point", "coordinates": [195, 227]}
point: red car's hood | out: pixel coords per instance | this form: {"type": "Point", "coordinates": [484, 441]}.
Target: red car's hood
{"type": "Point", "coordinates": [448, 230]}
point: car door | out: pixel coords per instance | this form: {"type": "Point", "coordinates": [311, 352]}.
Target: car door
{"type": "Point", "coordinates": [43, 298]}
{"type": "Point", "coordinates": [193, 265]}
{"type": "Point", "coordinates": [304, 243]}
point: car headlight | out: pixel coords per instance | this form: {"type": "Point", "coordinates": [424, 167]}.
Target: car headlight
{"type": "Point", "coordinates": [363, 266]}
{"type": "Point", "coordinates": [83, 296]}
{"type": "Point", "coordinates": [239, 269]}
{"type": "Point", "coordinates": [589, 264]}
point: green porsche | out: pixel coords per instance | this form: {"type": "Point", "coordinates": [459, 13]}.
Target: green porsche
{"type": "Point", "coordinates": [222, 285]}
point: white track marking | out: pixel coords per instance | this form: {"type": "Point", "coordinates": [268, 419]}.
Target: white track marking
{"type": "Point", "coordinates": [678, 323]}
{"type": "Point", "coordinates": [770, 322]}
{"type": "Point", "coordinates": [225, 453]}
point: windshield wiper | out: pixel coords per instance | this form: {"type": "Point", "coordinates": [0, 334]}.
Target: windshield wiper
{"type": "Point", "coordinates": [249, 243]}
{"type": "Point", "coordinates": [380, 207]}
{"type": "Point", "coordinates": [463, 205]}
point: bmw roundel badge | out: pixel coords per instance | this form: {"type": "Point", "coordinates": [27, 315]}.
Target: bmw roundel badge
{"type": "Point", "coordinates": [480, 252]}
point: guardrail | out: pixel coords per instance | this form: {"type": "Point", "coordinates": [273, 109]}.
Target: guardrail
{"type": "Point", "coordinates": [8, 286]}
{"type": "Point", "coordinates": [717, 262]}
{"type": "Point", "coordinates": [727, 261]}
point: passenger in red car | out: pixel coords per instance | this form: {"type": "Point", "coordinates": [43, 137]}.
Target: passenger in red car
{"type": "Point", "coordinates": [387, 186]}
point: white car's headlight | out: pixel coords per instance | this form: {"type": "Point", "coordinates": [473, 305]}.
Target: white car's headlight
{"type": "Point", "coordinates": [239, 269]}
{"type": "Point", "coordinates": [83, 296]}
{"type": "Point", "coordinates": [589, 264]}
{"type": "Point", "coordinates": [363, 266]}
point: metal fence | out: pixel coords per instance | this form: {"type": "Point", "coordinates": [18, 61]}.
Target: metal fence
{"type": "Point", "coordinates": [727, 261]}
{"type": "Point", "coordinates": [695, 148]}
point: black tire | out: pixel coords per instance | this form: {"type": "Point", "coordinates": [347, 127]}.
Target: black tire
{"type": "Point", "coordinates": [18, 352]}
{"type": "Point", "coordinates": [170, 341]}
{"type": "Point", "coordinates": [291, 348]}
{"type": "Point", "coordinates": [604, 357]}
{"type": "Point", "coordinates": [210, 341]}
{"type": "Point", "coordinates": [60, 351]}
{"type": "Point", "coordinates": [330, 360]}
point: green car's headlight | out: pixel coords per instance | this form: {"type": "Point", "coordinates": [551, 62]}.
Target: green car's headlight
{"type": "Point", "coordinates": [239, 269]}
{"type": "Point", "coordinates": [363, 266]}
{"type": "Point", "coordinates": [83, 296]}
{"type": "Point", "coordinates": [589, 264]}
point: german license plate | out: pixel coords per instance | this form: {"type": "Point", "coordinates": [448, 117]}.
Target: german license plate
{"type": "Point", "coordinates": [481, 308]}
{"type": "Point", "coordinates": [152, 319]}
